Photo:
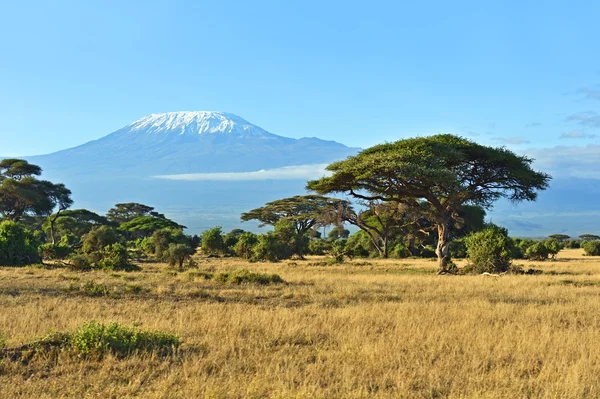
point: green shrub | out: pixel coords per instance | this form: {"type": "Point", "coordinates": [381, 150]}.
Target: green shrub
{"type": "Point", "coordinates": [573, 244]}
{"type": "Point", "coordinates": [458, 249]}
{"type": "Point", "coordinates": [176, 254]}
{"type": "Point", "coordinates": [114, 257]}
{"type": "Point", "coordinates": [428, 251]}
{"type": "Point", "coordinates": [212, 241]}
{"type": "Point", "coordinates": [244, 247]}
{"type": "Point", "coordinates": [95, 290]}
{"type": "Point", "coordinates": [591, 248]}
{"type": "Point", "coordinates": [537, 251]}
{"type": "Point", "coordinates": [97, 338]}
{"type": "Point", "coordinates": [244, 276]}
{"type": "Point", "coordinates": [268, 248]}
{"type": "Point", "coordinates": [359, 245]}
{"type": "Point", "coordinates": [318, 247]}
{"type": "Point", "coordinates": [399, 251]}
{"type": "Point", "coordinates": [79, 262]}
{"type": "Point", "coordinates": [18, 246]}
{"type": "Point", "coordinates": [51, 251]}
{"type": "Point", "coordinates": [488, 250]}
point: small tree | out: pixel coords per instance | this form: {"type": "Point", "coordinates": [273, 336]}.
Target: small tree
{"type": "Point", "coordinates": [212, 241]}
{"type": "Point", "coordinates": [489, 250]}
{"type": "Point", "coordinates": [178, 253]}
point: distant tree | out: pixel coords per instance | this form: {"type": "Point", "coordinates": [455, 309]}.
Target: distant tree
{"type": "Point", "coordinates": [71, 225]}
{"type": "Point", "coordinates": [559, 237]}
{"type": "Point", "coordinates": [591, 248]}
{"type": "Point", "coordinates": [176, 254]}
{"type": "Point", "coordinates": [231, 238]}
{"type": "Point", "coordinates": [444, 170]}
{"type": "Point", "coordinates": [589, 237]}
{"type": "Point", "coordinates": [338, 232]}
{"type": "Point", "coordinates": [22, 194]}
{"type": "Point", "coordinates": [303, 211]}
{"type": "Point", "coordinates": [126, 212]}
{"type": "Point", "coordinates": [145, 226]}
{"type": "Point", "coordinates": [245, 245]}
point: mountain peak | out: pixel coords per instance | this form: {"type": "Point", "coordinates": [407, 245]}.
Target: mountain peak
{"type": "Point", "coordinates": [196, 122]}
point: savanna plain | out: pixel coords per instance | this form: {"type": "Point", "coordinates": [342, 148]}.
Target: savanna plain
{"type": "Point", "coordinates": [363, 328]}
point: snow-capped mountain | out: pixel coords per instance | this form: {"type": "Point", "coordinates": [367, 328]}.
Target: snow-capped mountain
{"type": "Point", "coordinates": [189, 142]}
{"type": "Point", "coordinates": [122, 166]}
{"type": "Point", "coordinates": [197, 122]}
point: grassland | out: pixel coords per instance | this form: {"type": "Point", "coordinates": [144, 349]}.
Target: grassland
{"type": "Point", "coordinates": [366, 328]}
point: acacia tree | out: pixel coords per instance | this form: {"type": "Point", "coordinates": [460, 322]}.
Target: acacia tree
{"type": "Point", "coordinates": [125, 212]}
{"type": "Point", "coordinates": [444, 170]}
{"type": "Point", "coordinates": [305, 212]}
{"type": "Point", "coordinates": [22, 194]}
{"type": "Point", "coordinates": [379, 220]}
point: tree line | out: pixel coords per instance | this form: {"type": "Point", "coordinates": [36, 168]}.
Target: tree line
{"type": "Point", "coordinates": [424, 196]}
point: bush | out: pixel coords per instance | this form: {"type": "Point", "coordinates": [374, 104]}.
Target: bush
{"type": "Point", "coordinates": [51, 251]}
{"type": "Point", "coordinates": [268, 248]}
{"type": "Point", "coordinates": [244, 246]}
{"type": "Point", "coordinates": [399, 251]}
{"type": "Point", "coordinates": [244, 276]}
{"type": "Point", "coordinates": [359, 245]}
{"type": "Point", "coordinates": [318, 247]}
{"type": "Point", "coordinates": [488, 250]}
{"type": "Point", "coordinates": [591, 248]}
{"type": "Point", "coordinates": [573, 244]}
{"type": "Point", "coordinates": [97, 338]}
{"type": "Point", "coordinates": [79, 262]}
{"type": "Point", "coordinates": [428, 251]}
{"type": "Point", "coordinates": [212, 241]}
{"type": "Point", "coordinates": [18, 246]}
{"type": "Point", "coordinates": [114, 257]}
{"type": "Point", "coordinates": [176, 254]}
{"type": "Point", "coordinates": [97, 239]}
{"type": "Point", "coordinates": [540, 250]}
{"type": "Point", "coordinates": [458, 249]}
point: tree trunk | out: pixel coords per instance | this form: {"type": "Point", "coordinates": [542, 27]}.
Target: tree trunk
{"type": "Point", "coordinates": [442, 250]}
{"type": "Point", "coordinates": [385, 248]}
{"type": "Point", "coordinates": [52, 221]}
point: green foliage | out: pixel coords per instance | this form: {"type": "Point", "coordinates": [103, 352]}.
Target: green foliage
{"type": "Point", "coordinates": [446, 170]}
{"type": "Point", "coordinates": [338, 232]}
{"type": "Point", "coordinates": [22, 194]}
{"type": "Point", "coordinates": [212, 241]}
{"type": "Point", "coordinates": [244, 247]}
{"type": "Point", "coordinates": [93, 289]}
{"type": "Point", "coordinates": [114, 257]}
{"type": "Point", "coordinates": [51, 251]}
{"type": "Point", "coordinates": [589, 237]}
{"type": "Point", "coordinates": [540, 250]}
{"type": "Point", "coordinates": [427, 251]}
{"type": "Point", "coordinates": [158, 244]}
{"type": "Point", "coordinates": [489, 250]}
{"type": "Point", "coordinates": [125, 212]}
{"type": "Point", "coordinates": [244, 276]}
{"type": "Point", "coordinates": [71, 225]}
{"type": "Point", "coordinates": [145, 226]}
{"type": "Point", "coordinates": [79, 262]}
{"type": "Point", "coordinates": [231, 238]}
{"type": "Point", "coordinates": [318, 247]}
{"type": "Point", "coordinates": [591, 248]}
{"type": "Point", "coordinates": [268, 248]}
{"type": "Point", "coordinates": [18, 246]}
{"type": "Point", "coordinates": [399, 251]}
{"type": "Point", "coordinates": [573, 244]}
{"type": "Point", "coordinates": [360, 245]}
{"type": "Point", "coordinates": [98, 339]}
{"type": "Point", "coordinates": [458, 249]}
{"type": "Point", "coordinates": [178, 253]}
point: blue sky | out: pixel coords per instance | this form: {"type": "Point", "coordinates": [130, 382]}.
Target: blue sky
{"type": "Point", "coordinates": [515, 73]}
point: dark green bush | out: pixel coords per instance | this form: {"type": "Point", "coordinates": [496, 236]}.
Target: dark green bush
{"type": "Point", "coordinates": [458, 249]}
{"type": "Point", "coordinates": [212, 241]}
{"type": "Point", "coordinates": [18, 246]}
{"type": "Point", "coordinates": [51, 251]}
{"type": "Point", "coordinates": [428, 251]}
{"type": "Point", "coordinates": [318, 247]}
{"type": "Point", "coordinates": [399, 251]}
{"type": "Point", "coordinates": [268, 248]}
{"type": "Point", "coordinates": [244, 276]}
{"type": "Point", "coordinates": [538, 251]}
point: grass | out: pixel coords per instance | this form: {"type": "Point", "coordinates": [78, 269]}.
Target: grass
{"type": "Point", "coordinates": [374, 328]}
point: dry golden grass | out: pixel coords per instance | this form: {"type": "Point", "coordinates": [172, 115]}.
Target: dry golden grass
{"type": "Point", "coordinates": [368, 328]}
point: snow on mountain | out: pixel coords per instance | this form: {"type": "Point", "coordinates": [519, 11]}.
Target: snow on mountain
{"type": "Point", "coordinates": [196, 122]}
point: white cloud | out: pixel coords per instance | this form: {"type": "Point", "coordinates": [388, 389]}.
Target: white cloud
{"type": "Point", "coordinates": [301, 172]}
{"type": "Point", "coordinates": [568, 161]}
{"type": "Point", "coordinates": [577, 134]}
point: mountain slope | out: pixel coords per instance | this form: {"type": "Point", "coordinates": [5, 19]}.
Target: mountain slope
{"type": "Point", "coordinates": [189, 142]}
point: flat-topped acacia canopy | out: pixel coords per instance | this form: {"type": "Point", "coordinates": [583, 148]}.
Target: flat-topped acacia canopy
{"type": "Point", "coordinates": [444, 170]}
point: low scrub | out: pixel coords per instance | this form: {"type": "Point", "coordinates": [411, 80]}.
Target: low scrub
{"type": "Point", "coordinates": [591, 248]}
{"type": "Point", "coordinates": [97, 339]}
{"type": "Point", "coordinates": [244, 276]}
